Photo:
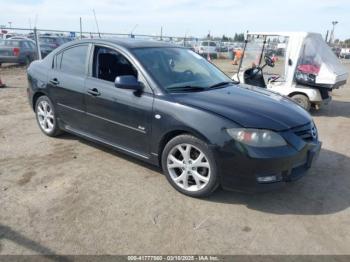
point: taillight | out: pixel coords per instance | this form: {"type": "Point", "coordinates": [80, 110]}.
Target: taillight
{"type": "Point", "coordinates": [16, 51]}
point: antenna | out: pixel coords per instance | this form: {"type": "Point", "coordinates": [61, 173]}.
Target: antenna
{"type": "Point", "coordinates": [133, 29]}
{"type": "Point", "coordinates": [98, 29]}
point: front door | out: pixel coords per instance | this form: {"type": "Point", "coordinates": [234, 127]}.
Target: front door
{"type": "Point", "coordinates": [117, 116]}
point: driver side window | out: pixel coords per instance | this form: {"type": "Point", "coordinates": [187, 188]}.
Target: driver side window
{"type": "Point", "coordinates": [108, 64]}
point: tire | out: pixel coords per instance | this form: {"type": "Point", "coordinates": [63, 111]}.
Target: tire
{"type": "Point", "coordinates": [197, 172]}
{"type": "Point", "coordinates": [302, 100]}
{"type": "Point", "coordinates": [46, 117]}
{"type": "Point", "coordinates": [26, 61]}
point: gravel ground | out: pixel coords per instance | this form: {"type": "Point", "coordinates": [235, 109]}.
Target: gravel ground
{"type": "Point", "coordinates": [69, 196]}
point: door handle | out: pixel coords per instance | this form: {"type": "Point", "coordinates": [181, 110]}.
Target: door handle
{"type": "Point", "coordinates": [94, 92]}
{"type": "Point", "coordinates": [54, 81]}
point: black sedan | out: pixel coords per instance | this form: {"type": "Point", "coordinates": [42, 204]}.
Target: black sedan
{"type": "Point", "coordinates": [170, 107]}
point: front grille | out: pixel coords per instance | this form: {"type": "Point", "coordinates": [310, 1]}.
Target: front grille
{"type": "Point", "coordinates": [307, 132]}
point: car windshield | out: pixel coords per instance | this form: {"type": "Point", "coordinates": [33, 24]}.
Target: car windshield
{"type": "Point", "coordinates": [179, 69]}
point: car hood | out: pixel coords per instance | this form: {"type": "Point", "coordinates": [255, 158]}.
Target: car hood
{"type": "Point", "coordinates": [248, 106]}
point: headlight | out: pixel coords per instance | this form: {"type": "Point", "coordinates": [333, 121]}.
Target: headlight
{"type": "Point", "coordinates": [256, 137]}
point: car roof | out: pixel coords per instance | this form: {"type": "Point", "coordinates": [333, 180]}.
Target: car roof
{"type": "Point", "coordinates": [50, 36]}
{"type": "Point", "coordinates": [128, 43]}
{"type": "Point", "coordinates": [15, 39]}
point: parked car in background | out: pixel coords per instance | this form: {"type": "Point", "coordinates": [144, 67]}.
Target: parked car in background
{"type": "Point", "coordinates": [49, 43]}
{"type": "Point", "coordinates": [5, 35]}
{"type": "Point", "coordinates": [19, 37]}
{"type": "Point", "coordinates": [21, 51]}
{"type": "Point", "coordinates": [189, 46]}
{"type": "Point", "coordinates": [207, 47]}
{"type": "Point", "coordinates": [169, 106]}
{"type": "Point", "coordinates": [336, 51]}
{"type": "Point", "coordinates": [345, 53]}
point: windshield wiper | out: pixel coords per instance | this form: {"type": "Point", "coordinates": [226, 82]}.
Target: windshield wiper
{"type": "Point", "coordinates": [221, 84]}
{"type": "Point", "coordinates": [187, 88]}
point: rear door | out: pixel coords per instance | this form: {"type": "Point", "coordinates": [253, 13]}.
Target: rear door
{"type": "Point", "coordinates": [115, 115]}
{"type": "Point", "coordinates": [66, 84]}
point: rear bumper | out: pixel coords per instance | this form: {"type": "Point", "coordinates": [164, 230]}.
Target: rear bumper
{"type": "Point", "coordinates": [10, 59]}
{"type": "Point", "coordinates": [261, 173]}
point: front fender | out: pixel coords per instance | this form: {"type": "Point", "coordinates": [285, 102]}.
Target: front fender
{"type": "Point", "coordinates": [177, 118]}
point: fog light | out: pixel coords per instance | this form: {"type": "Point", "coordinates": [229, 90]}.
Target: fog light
{"type": "Point", "coordinates": [267, 179]}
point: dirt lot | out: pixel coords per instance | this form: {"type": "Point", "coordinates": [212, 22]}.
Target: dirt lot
{"type": "Point", "coordinates": [69, 196]}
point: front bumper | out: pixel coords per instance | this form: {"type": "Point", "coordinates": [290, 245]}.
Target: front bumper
{"type": "Point", "coordinates": [241, 171]}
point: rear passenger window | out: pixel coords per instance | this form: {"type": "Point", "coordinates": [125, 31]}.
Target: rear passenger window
{"type": "Point", "coordinates": [73, 60]}
{"type": "Point", "coordinates": [32, 45]}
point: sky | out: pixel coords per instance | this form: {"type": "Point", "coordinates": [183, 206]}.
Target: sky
{"type": "Point", "coordinates": [181, 17]}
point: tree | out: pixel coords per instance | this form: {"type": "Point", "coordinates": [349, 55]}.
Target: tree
{"type": "Point", "coordinates": [238, 37]}
{"type": "Point", "coordinates": [224, 38]}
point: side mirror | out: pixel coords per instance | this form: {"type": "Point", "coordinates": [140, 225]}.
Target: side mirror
{"type": "Point", "coordinates": [128, 82]}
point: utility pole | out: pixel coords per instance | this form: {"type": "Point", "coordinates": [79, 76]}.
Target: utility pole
{"type": "Point", "coordinates": [81, 29]}
{"type": "Point", "coordinates": [161, 33]}
{"type": "Point", "coordinates": [37, 42]}
{"type": "Point", "coordinates": [331, 39]}
{"type": "Point", "coordinates": [185, 39]}
{"type": "Point", "coordinates": [10, 23]}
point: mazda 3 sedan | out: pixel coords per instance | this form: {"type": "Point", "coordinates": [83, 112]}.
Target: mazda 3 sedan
{"type": "Point", "coordinates": [170, 107]}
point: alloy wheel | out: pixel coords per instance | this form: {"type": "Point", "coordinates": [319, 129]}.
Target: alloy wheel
{"type": "Point", "coordinates": [188, 167]}
{"type": "Point", "coordinates": [46, 116]}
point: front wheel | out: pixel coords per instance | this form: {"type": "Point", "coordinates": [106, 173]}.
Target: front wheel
{"type": "Point", "coordinates": [189, 166]}
{"type": "Point", "coordinates": [46, 117]}
{"type": "Point", "coordinates": [302, 100]}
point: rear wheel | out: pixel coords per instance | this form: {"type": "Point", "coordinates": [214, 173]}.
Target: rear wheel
{"type": "Point", "coordinates": [189, 166]}
{"type": "Point", "coordinates": [46, 117]}
{"type": "Point", "coordinates": [302, 100]}
{"type": "Point", "coordinates": [26, 61]}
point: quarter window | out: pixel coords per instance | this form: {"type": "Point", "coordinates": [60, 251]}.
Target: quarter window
{"type": "Point", "coordinates": [32, 45]}
{"type": "Point", "coordinates": [73, 60]}
{"type": "Point", "coordinates": [25, 44]}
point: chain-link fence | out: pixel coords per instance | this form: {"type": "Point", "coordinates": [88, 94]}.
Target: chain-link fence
{"type": "Point", "coordinates": [46, 40]}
